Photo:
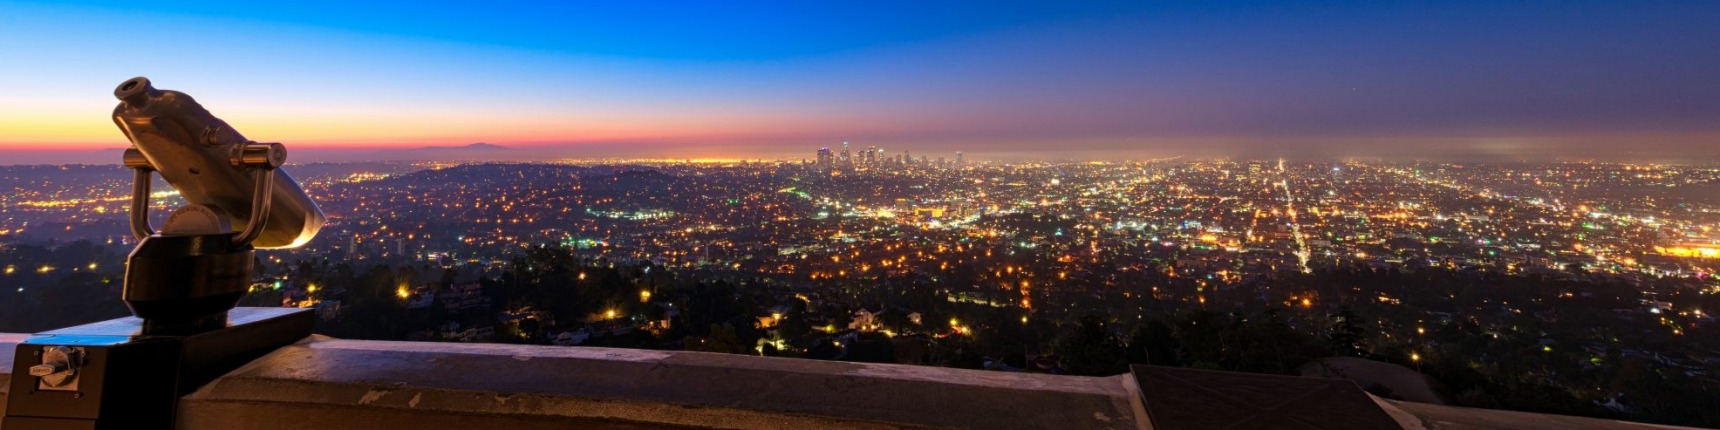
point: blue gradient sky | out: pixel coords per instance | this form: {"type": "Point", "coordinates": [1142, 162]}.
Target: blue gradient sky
{"type": "Point", "coordinates": [733, 79]}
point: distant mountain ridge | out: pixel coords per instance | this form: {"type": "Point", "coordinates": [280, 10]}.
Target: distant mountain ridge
{"type": "Point", "coordinates": [475, 146]}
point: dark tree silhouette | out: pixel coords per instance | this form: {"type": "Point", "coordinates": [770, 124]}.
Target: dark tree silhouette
{"type": "Point", "coordinates": [1345, 335]}
{"type": "Point", "coordinates": [1091, 349]}
{"type": "Point", "coordinates": [1153, 342]}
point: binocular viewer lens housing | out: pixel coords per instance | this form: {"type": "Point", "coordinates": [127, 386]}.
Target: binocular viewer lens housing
{"type": "Point", "coordinates": [209, 162]}
{"type": "Point", "coordinates": [187, 276]}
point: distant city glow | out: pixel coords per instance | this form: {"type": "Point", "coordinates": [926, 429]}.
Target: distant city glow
{"type": "Point", "coordinates": [1699, 251]}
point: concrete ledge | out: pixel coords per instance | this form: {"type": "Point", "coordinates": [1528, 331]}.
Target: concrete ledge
{"type": "Point", "coordinates": [8, 347]}
{"type": "Point", "coordinates": [1427, 416]}
{"type": "Point", "coordinates": [324, 383]}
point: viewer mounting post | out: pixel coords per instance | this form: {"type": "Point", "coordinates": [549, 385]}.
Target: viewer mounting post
{"type": "Point", "coordinates": [181, 282]}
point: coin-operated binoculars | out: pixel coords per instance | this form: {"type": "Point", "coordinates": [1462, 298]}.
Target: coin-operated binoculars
{"type": "Point", "coordinates": [181, 282]}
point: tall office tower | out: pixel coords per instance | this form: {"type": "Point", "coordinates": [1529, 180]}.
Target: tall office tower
{"type": "Point", "coordinates": [871, 156]}
{"type": "Point", "coordinates": [847, 158]}
{"type": "Point", "coordinates": [906, 156]}
{"type": "Point", "coordinates": [941, 162]}
{"type": "Point", "coordinates": [825, 160]}
{"type": "Point", "coordinates": [958, 158]}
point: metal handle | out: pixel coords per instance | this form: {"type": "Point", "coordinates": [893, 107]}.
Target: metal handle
{"type": "Point", "coordinates": [140, 182]}
{"type": "Point", "coordinates": [264, 157]}
{"type": "Point", "coordinates": [261, 198]}
{"type": "Point", "coordinates": [41, 370]}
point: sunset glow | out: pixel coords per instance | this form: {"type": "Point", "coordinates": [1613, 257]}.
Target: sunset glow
{"type": "Point", "coordinates": [770, 80]}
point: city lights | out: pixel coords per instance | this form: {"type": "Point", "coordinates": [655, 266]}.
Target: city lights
{"type": "Point", "coordinates": [989, 245]}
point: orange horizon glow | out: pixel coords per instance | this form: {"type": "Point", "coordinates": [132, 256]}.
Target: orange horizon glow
{"type": "Point", "coordinates": [61, 133]}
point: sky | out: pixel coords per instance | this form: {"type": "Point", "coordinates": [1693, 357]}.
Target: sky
{"type": "Point", "coordinates": [996, 79]}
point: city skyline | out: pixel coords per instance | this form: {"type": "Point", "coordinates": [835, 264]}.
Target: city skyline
{"type": "Point", "coordinates": [1475, 81]}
